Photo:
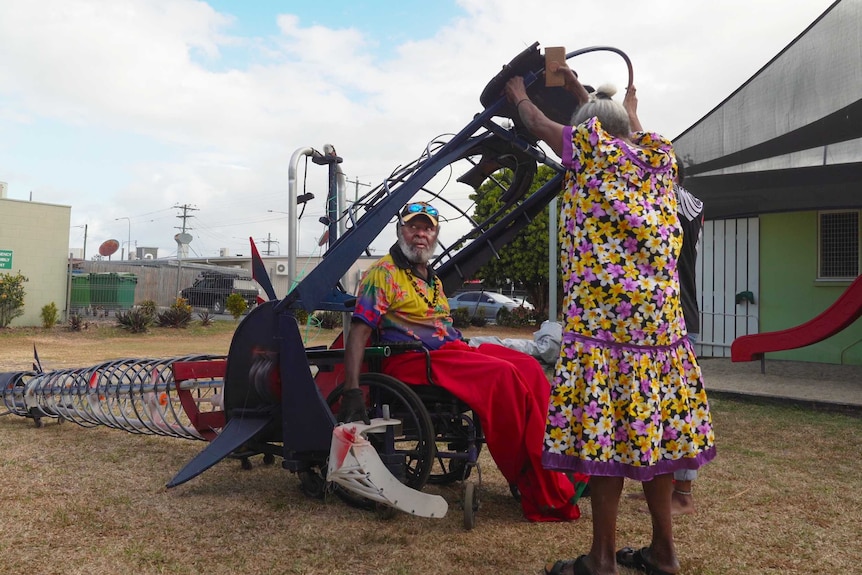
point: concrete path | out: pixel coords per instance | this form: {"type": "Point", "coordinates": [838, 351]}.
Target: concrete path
{"type": "Point", "coordinates": [818, 385]}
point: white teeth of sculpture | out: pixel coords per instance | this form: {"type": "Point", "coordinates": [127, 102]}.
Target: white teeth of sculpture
{"type": "Point", "coordinates": [355, 465]}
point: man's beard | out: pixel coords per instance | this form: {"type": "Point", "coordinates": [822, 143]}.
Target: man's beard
{"type": "Point", "coordinates": [414, 254]}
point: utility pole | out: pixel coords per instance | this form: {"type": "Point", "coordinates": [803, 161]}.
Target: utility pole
{"type": "Point", "coordinates": [356, 183]}
{"type": "Point", "coordinates": [186, 209]}
{"type": "Point", "coordinates": [268, 241]}
{"type": "Point", "coordinates": [183, 234]}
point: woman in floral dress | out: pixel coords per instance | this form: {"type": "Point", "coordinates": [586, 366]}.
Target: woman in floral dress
{"type": "Point", "coordinates": [628, 398]}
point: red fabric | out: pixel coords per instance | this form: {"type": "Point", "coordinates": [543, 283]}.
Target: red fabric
{"type": "Point", "coordinates": [509, 393]}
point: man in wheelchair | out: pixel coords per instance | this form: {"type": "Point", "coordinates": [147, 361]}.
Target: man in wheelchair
{"type": "Point", "coordinates": [402, 299]}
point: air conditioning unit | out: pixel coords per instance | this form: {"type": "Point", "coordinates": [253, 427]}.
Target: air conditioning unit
{"type": "Point", "coordinates": [281, 268]}
{"type": "Point", "coordinates": [142, 253]}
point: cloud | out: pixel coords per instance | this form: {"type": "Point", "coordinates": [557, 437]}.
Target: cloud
{"type": "Point", "coordinates": [216, 116]}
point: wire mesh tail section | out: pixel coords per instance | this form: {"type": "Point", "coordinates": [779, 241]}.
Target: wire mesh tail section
{"type": "Point", "coordinates": [460, 170]}
{"type": "Point", "coordinates": [135, 395]}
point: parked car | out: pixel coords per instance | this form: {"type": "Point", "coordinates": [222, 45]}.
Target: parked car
{"type": "Point", "coordinates": [524, 303]}
{"type": "Point", "coordinates": [484, 303]}
{"type": "Point", "coordinates": [212, 289]}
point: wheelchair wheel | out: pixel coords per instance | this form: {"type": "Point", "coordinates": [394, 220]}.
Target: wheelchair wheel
{"type": "Point", "coordinates": [453, 434]}
{"type": "Point", "coordinates": [312, 483]}
{"type": "Point", "coordinates": [409, 451]}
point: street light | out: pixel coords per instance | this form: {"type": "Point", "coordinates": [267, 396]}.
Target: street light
{"type": "Point", "coordinates": [84, 253]}
{"type": "Point", "coordinates": [129, 242]}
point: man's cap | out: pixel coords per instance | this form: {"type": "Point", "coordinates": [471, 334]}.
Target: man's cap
{"type": "Point", "coordinates": [414, 209]}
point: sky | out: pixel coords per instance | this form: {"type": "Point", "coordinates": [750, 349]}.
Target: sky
{"type": "Point", "coordinates": [127, 110]}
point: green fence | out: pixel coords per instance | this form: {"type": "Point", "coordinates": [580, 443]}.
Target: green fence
{"type": "Point", "coordinates": [80, 297]}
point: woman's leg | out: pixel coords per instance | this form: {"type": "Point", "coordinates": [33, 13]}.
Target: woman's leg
{"type": "Point", "coordinates": [662, 552]}
{"type": "Point", "coordinates": [605, 501]}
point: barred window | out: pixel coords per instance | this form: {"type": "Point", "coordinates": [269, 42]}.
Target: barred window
{"type": "Point", "coordinates": [839, 245]}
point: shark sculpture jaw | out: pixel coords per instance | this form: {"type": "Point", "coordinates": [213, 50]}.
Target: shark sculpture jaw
{"type": "Point", "coordinates": [355, 465]}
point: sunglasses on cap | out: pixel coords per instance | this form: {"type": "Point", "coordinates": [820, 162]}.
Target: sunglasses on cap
{"type": "Point", "coordinates": [410, 211]}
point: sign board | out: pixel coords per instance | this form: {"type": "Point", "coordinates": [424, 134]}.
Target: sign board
{"type": "Point", "coordinates": [5, 259]}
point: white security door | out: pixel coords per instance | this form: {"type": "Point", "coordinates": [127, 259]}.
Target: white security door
{"type": "Point", "coordinates": [727, 281]}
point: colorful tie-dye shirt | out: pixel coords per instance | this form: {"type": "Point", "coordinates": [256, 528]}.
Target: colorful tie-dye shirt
{"type": "Point", "coordinates": [398, 306]}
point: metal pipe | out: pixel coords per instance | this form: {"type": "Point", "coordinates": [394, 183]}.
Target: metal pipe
{"type": "Point", "coordinates": [293, 217]}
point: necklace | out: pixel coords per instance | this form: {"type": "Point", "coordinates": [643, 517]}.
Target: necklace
{"type": "Point", "coordinates": [431, 303]}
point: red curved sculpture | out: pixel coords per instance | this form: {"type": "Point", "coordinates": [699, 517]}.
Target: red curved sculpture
{"type": "Point", "coordinates": [846, 309]}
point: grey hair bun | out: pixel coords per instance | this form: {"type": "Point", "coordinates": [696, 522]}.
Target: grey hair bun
{"type": "Point", "coordinates": [606, 91]}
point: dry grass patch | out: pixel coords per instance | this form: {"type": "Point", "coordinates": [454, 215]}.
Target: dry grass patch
{"type": "Point", "coordinates": [781, 498]}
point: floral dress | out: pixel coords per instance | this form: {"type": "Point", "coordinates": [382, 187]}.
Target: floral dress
{"type": "Point", "coordinates": [628, 397]}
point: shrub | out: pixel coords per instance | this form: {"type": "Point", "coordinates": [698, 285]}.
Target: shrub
{"type": "Point", "coordinates": [136, 320]}
{"type": "Point", "coordinates": [517, 317]}
{"type": "Point", "coordinates": [235, 305]}
{"type": "Point", "coordinates": [49, 315]}
{"type": "Point", "coordinates": [149, 307]}
{"type": "Point", "coordinates": [206, 318]}
{"type": "Point", "coordinates": [179, 315]}
{"type": "Point", "coordinates": [76, 323]}
{"type": "Point", "coordinates": [11, 297]}
{"type": "Point", "coordinates": [478, 321]}
{"type": "Point", "coordinates": [460, 318]}
{"type": "Point", "coordinates": [301, 316]}
{"type": "Point", "coordinates": [329, 319]}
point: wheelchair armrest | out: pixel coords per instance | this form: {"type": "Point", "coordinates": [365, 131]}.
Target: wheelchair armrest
{"type": "Point", "coordinates": [396, 347]}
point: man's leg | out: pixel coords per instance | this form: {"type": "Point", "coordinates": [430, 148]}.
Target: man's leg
{"type": "Point", "coordinates": [489, 386]}
{"type": "Point", "coordinates": [545, 488]}
{"type": "Point", "coordinates": [512, 420]}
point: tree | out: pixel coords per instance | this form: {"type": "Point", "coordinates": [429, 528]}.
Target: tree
{"type": "Point", "coordinates": [524, 260]}
{"type": "Point", "coordinates": [236, 305]}
{"type": "Point", "coordinates": [11, 297]}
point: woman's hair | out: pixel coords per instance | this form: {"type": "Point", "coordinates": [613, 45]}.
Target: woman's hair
{"type": "Point", "coordinates": [611, 114]}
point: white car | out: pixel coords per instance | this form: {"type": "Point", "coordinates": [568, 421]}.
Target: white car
{"type": "Point", "coordinates": [524, 303]}
{"type": "Point", "coordinates": [485, 304]}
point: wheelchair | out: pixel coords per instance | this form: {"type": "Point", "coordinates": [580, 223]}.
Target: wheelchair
{"type": "Point", "coordinates": [439, 439]}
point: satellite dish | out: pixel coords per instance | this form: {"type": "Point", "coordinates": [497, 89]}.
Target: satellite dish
{"type": "Point", "coordinates": [108, 248]}
{"type": "Point", "coordinates": [183, 238]}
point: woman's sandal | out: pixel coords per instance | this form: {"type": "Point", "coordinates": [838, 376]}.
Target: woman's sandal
{"type": "Point", "coordinates": [578, 567]}
{"type": "Point", "coordinates": [635, 559]}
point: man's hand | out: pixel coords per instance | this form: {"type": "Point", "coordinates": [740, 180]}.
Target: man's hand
{"type": "Point", "coordinates": [353, 407]}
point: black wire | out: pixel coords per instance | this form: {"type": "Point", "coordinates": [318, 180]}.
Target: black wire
{"type": "Point", "coordinates": [304, 189]}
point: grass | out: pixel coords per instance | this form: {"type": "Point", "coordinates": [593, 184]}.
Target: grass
{"type": "Point", "coordinates": [781, 498]}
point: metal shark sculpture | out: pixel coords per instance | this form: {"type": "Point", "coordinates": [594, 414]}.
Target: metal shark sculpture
{"type": "Point", "coordinates": [266, 396]}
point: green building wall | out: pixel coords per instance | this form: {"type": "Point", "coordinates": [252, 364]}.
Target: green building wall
{"type": "Point", "coordinates": [790, 293]}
